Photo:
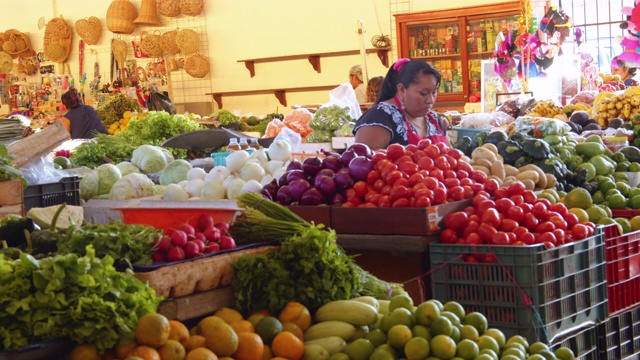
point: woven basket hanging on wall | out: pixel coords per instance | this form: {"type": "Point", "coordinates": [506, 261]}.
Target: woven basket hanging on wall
{"type": "Point", "coordinates": [191, 7]}
{"type": "Point", "coordinates": [148, 14]}
{"type": "Point", "coordinates": [89, 30]}
{"type": "Point", "coordinates": [58, 40]}
{"type": "Point", "coordinates": [150, 44]}
{"type": "Point", "coordinates": [168, 42]}
{"type": "Point", "coordinates": [197, 65]}
{"type": "Point", "coordinates": [188, 41]}
{"type": "Point", "coordinates": [15, 43]}
{"type": "Point", "coordinates": [169, 8]}
{"type": "Point", "coordinates": [120, 17]}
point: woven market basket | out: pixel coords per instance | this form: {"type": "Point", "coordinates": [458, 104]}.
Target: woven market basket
{"type": "Point", "coordinates": [16, 43]}
{"type": "Point", "coordinates": [6, 63]}
{"type": "Point", "coordinates": [191, 7]}
{"type": "Point", "coordinates": [187, 41]}
{"type": "Point", "coordinates": [119, 50]}
{"type": "Point", "coordinates": [148, 13]}
{"type": "Point", "coordinates": [120, 17]}
{"type": "Point", "coordinates": [169, 8]}
{"type": "Point", "coordinates": [168, 42]}
{"type": "Point", "coordinates": [89, 30]}
{"type": "Point", "coordinates": [197, 65]}
{"type": "Point", "coordinates": [150, 44]}
{"type": "Point", "coordinates": [58, 40]}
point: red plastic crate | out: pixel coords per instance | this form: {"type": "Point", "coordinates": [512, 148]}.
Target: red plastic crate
{"type": "Point", "coordinates": [625, 213]}
{"type": "Point", "coordinates": [622, 256]}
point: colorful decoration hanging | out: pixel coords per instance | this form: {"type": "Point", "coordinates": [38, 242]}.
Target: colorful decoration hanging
{"type": "Point", "coordinates": [631, 54]}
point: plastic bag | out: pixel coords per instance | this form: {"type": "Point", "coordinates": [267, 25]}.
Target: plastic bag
{"type": "Point", "coordinates": [540, 127]}
{"type": "Point", "coordinates": [344, 95]}
{"type": "Point", "coordinates": [293, 138]}
{"type": "Point", "coordinates": [160, 102]}
{"type": "Point", "coordinates": [41, 171]}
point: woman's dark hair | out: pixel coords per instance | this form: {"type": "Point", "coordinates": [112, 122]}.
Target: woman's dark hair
{"type": "Point", "coordinates": [71, 99]}
{"type": "Point", "coordinates": [407, 75]}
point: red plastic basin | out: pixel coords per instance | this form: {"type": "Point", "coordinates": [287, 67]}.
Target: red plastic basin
{"type": "Point", "coordinates": [170, 218]}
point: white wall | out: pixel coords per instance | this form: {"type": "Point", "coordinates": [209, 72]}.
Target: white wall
{"type": "Point", "coordinates": [245, 29]}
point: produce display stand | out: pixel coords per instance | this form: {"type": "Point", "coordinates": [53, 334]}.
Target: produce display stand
{"type": "Point", "coordinates": [42, 350]}
{"type": "Point", "coordinates": [622, 256]}
{"type": "Point", "coordinates": [67, 190]}
{"type": "Point", "coordinates": [11, 198]}
{"type": "Point", "coordinates": [196, 305]}
{"type": "Point", "coordinates": [619, 336]}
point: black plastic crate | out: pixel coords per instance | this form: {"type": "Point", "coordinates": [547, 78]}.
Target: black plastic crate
{"type": "Point", "coordinates": [532, 291]}
{"type": "Point", "coordinates": [583, 342]}
{"type": "Point", "coordinates": [66, 190]}
{"type": "Point", "coordinates": [619, 336]}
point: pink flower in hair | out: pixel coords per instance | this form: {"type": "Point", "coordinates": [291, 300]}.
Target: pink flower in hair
{"type": "Point", "coordinates": [400, 63]}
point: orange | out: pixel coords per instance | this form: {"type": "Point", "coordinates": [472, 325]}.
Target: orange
{"type": "Point", "coordinates": [242, 326]}
{"type": "Point", "coordinates": [254, 318]}
{"type": "Point", "coordinates": [201, 354]}
{"type": "Point", "coordinates": [123, 350]}
{"type": "Point", "coordinates": [194, 342]}
{"type": "Point", "coordinates": [267, 354]}
{"type": "Point", "coordinates": [296, 313]}
{"type": "Point", "coordinates": [85, 352]}
{"type": "Point", "coordinates": [250, 347]}
{"type": "Point", "coordinates": [152, 330]}
{"type": "Point", "coordinates": [228, 314]}
{"type": "Point", "coordinates": [287, 345]}
{"type": "Point", "coordinates": [221, 339]}
{"type": "Point", "coordinates": [179, 332]}
{"type": "Point", "coordinates": [206, 323]}
{"type": "Point", "coordinates": [145, 352]}
{"type": "Point", "coordinates": [172, 350]}
{"type": "Point", "coordinates": [293, 328]}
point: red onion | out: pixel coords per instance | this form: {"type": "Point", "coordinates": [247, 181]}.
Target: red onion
{"type": "Point", "coordinates": [295, 174]}
{"type": "Point", "coordinates": [326, 172]}
{"type": "Point", "coordinates": [337, 199]}
{"type": "Point", "coordinates": [361, 149]}
{"type": "Point", "coordinates": [284, 195]}
{"type": "Point", "coordinates": [297, 187]}
{"type": "Point", "coordinates": [346, 157]}
{"type": "Point", "coordinates": [294, 165]}
{"type": "Point", "coordinates": [326, 184]}
{"type": "Point", "coordinates": [343, 180]}
{"type": "Point", "coordinates": [312, 197]}
{"type": "Point", "coordinates": [359, 167]}
{"type": "Point", "coordinates": [311, 165]}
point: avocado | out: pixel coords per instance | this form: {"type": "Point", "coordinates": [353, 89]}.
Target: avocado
{"type": "Point", "coordinates": [591, 127]}
{"type": "Point", "coordinates": [574, 127]}
{"type": "Point", "coordinates": [615, 123]}
{"type": "Point", "coordinates": [579, 117]}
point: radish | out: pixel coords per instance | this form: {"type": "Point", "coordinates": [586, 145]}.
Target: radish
{"type": "Point", "coordinates": [179, 238]}
{"type": "Point", "coordinates": [175, 254]}
{"type": "Point", "coordinates": [157, 256]}
{"type": "Point", "coordinates": [188, 229]}
{"type": "Point", "coordinates": [211, 248]}
{"type": "Point", "coordinates": [227, 242]}
{"type": "Point", "coordinates": [163, 244]}
{"type": "Point", "coordinates": [212, 234]}
{"type": "Point", "coordinates": [204, 221]}
{"type": "Point", "coordinates": [191, 250]}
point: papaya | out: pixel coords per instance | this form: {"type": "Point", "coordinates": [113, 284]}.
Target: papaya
{"type": "Point", "coordinates": [591, 170]}
{"type": "Point", "coordinates": [594, 138]}
{"type": "Point", "coordinates": [603, 166]}
{"type": "Point", "coordinates": [590, 149]}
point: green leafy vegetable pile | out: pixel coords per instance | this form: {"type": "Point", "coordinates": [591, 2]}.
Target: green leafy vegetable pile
{"type": "Point", "coordinates": [104, 148]}
{"type": "Point", "coordinates": [114, 107]}
{"type": "Point", "coordinates": [310, 266]}
{"type": "Point", "coordinates": [128, 242]}
{"type": "Point", "coordinates": [326, 121]}
{"type": "Point", "coordinates": [80, 297]}
{"type": "Point", "coordinates": [7, 171]}
{"type": "Point", "coordinates": [225, 117]}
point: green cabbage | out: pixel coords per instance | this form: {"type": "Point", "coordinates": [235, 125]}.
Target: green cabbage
{"type": "Point", "coordinates": [132, 186]}
{"type": "Point", "coordinates": [175, 172]}
{"type": "Point", "coordinates": [150, 159]}
{"type": "Point", "coordinates": [127, 168]}
{"type": "Point", "coordinates": [108, 174]}
{"type": "Point", "coordinates": [89, 186]}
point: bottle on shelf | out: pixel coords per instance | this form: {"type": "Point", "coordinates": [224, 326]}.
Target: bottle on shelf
{"type": "Point", "coordinates": [233, 145]}
{"type": "Point", "coordinates": [244, 145]}
{"type": "Point", "coordinates": [253, 144]}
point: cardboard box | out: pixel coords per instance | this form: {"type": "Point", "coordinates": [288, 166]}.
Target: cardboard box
{"type": "Point", "coordinates": [34, 146]}
{"type": "Point", "coordinates": [399, 221]}
{"type": "Point", "coordinates": [11, 192]}
{"type": "Point", "coordinates": [316, 214]}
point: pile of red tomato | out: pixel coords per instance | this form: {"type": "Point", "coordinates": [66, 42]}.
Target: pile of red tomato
{"type": "Point", "coordinates": [514, 216]}
{"type": "Point", "coordinates": [421, 175]}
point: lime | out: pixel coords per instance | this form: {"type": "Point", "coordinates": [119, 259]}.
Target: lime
{"type": "Point", "coordinates": [580, 198]}
{"type": "Point", "coordinates": [441, 326]}
{"type": "Point", "coordinates": [421, 331]}
{"type": "Point", "coordinates": [536, 357]}
{"type": "Point", "coordinates": [633, 192]}
{"type": "Point", "coordinates": [625, 223]}
{"type": "Point", "coordinates": [510, 357]}
{"type": "Point", "coordinates": [443, 347]}
{"type": "Point", "coordinates": [477, 320]}
{"type": "Point", "coordinates": [498, 335]}
{"type": "Point", "coordinates": [339, 356]}
{"type": "Point", "coordinates": [381, 354]}
{"type": "Point", "coordinates": [485, 357]}
{"type": "Point", "coordinates": [520, 340]}
{"type": "Point", "coordinates": [426, 312]}
{"type": "Point", "coordinates": [611, 192]}
{"type": "Point", "coordinates": [582, 214]}
{"type": "Point", "coordinates": [617, 201]}
{"type": "Point", "coordinates": [467, 349]}
{"type": "Point", "coordinates": [399, 335]}
{"type": "Point", "coordinates": [455, 333]}
{"type": "Point", "coordinates": [438, 304]}
{"type": "Point", "coordinates": [488, 342]}
{"type": "Point", "coordinates": [268, 327]}
{"type": "Point", "coordinates": [360, 349]}
{"type": "Point", "coordinates": [399, 316]}
{"type": "Point", "coordinates": [634, 202]}
{"type": "Point", "coordinates": [417, 348]}
{"type": "Point", "coordinates": [401, 301]}
{"type": "Point", "coordinates": [596, 213]}
{"type": "Point", "coordinates": [635, 223]}
{"type": "Point", "coordinates": [547, 354]}
{"type": "Point", "coordinates": [455, 320]}
{"type": "Point", "coordinates": [552, 199]}
{"type": "Point", "coordinates": [598, 197]}
{"type": "Point", "coordinates": [514, 351]}
{"type": "Point", "coordinates": [634, 167]}
{"type": "Point", "coordinates": [490, 353]}
{"type": "Point", "coordinates": [564, 353]}
{"type": "Point", "coordinates": [455, 308]}
{"type": "Point", "coordinates": [377, 337]}
{"type": "Point", "coordinates": [388, 348]}
{"type": "Point", "coordinates": [516, 345]}
{"type": "Point", "coordinates": [606, 186]}
{"type": "Point", "coordinates": [469, 332]}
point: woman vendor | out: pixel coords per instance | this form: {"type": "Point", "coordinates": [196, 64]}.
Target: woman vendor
{"type": "Point", "coordinates": [403, 114]}
{"type": "Point", "coordinates": [81, 121]}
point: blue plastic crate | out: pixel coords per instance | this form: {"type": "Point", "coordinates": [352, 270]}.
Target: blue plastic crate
{"type": "Point", "coordinates": [220, 158]}
{"type": "Point", "coordinates": [566, 285]}
{"type": "Point", "coordinates": [462, 132]}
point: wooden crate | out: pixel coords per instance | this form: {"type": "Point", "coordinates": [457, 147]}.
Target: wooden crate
{"type": "Point", "coordinates": [11, 192]}
{"type": "Point", "coordinates": [34, 146]}
{"type": "Point", "coordinates": [12, 210]}
{"type": "Point", "coordinates": [197, 304]}
{"type": "Point", "coordinates": [200, 274]}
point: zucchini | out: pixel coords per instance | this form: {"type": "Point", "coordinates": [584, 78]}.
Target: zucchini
{"type": "Point", "coordinates": [333, 344]}
{"type": "Point", "coordinates": [368, 300]}
{"type": "Point", "coordinates": [352, 312]}
{"type": "Point", "coordinates": [327, 328]}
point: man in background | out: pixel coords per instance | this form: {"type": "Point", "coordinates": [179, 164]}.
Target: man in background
{"type": "Point", "coordinates": [355, 79]}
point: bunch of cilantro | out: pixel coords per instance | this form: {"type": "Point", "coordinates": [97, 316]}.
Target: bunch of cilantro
{"type": "Point", "coordinates": [83, 298]}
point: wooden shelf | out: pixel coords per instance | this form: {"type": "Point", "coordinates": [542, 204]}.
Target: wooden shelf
{"type": "Point", "coordinates": [443, 56]}
{"type": "Point", "coordinates": [314, 59]}
{"type": "Point", "coordinates": [280, 94]}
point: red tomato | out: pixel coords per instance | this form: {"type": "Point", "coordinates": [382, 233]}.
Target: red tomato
{"type": "Point", "coordinates": [469, 210]}
{"type": "Point", "coordinates": [483, 193]}
{"type": "Point", "coordinates": [486, 232]}
{"type": "Point", "coordinates": [580, 231]}
{"type": "Point", "coordinates": [560, 208]}
{"type": "Point", "coordinates": [548, 237]}
{"type": "Point", "coordinates": [448, 236]}
{"type": "Point", "coordinates": [384, 201]}
{"type": "Point", "coordinates": [540, 210]}
{"type": "Point", "coordinates": [507, 225]}
{"type": "Point", "coordinates": [465, 181]}
{"type": "Point", "coordinates": [530, 221]}
{"type": "Point", "coordinates": [392, 176]}
{"type": "Point", "coordinates": [475, 218]}
{"type": "Point", "coordinates": [422, 201]}
{"type": "Point", "coordinates": [516, 188]}
{"type": "Point", "coordinates": [354, 200]}
{"type": "Point", "coordinates": [403, 159]}
{"type": "Point", "coordinates": [546, 202]}
{"type": "Point", "coordinates": [472, 227]}
{"type": "Point", "coordinates": [437, 174]}
{"type": "Point", "coordinates": [545, 226]}
{"type": "Point", "coordinates": [395, 151]}
{"type": "Point", "coordinates": [500, 238]}
{"type": "Point", "coordinates": [515, 213]}
{"type": "Point", "coordinates": [485, 205]}
{"type": "Point", "coordinates": [558, 222]}
{"type": "Point", "coordinates": [504, 204]}
{"type": "Point", "coordinates": [400, 203]}
{"type": "Point", "coordinates": [401, 182]}
{"type": "Point", "coordinates": [411, 148]}
{"type": "Point", "coordinates": [530, 197]}
{"type": "Point", "coordinates": [372, 197]}
{"type": "Point", "coordinates": [453, 163]}
{"type": "Point", "coordinates": [455, 153]}
{"type": "Point", "coordinates": [398, 192]}
{"type": "Point", "coordinates": [388, 169]}
{"type": "Point", "coordinates": [430, 182]}
{"type": "Point", "coordinates": [464, 166]}
{"type": "Point", "coordinates": [382, 164]}
{"type": "Point", "coordinates": [432, 151]}
{"type": "Point", "coordinates": [517, 199]}
{"type": "Point", "coordinates": [408, 167]}
{"type": "Point", "coordinates": [456, 193]}
{"type": "Point", "coordinates": [549, 244]}
{"type": "Point", "coordinates": [372, 176]}
{"type": "Point", "coordinates": [367, 205]}
{"type": "Point", "coordinates": [378, 185]}
{"type": "Point", "coordinates": [415, 179]}
{"type": "Point", "coordinates": [468, 192]}
{"type": "Point", "coordinates": [478, 199]}
{"type": "Point", "coordinates": [519, 231]}
{"type": "Point", "coordinates": [456, 220]}
{"type": "Point", "coordinates": [439, 196]}
{"type": "Point", "coordinates": [477, 187]}
{"type": "Point", "coordinates": [571, 219]}
{"type": "Point", "coordinates": [423, 143]}
{"type": "Point", "coordinates": [478, 176]}
{"type": "Point", "coordinates": [491, 217]}
{"type": "Point", "coordinates": [350, 192]}
{"type": "Point", "coordinates": [526, 207]}
{"type": "Point", "coordinates": [527, 238]}
{"type": "Point", "coordinates": [451, 182]}
{"type": "Point", "coordinates": [490, 185]}
{"type": "Point", "coordinates": [560, 236]}
{"type": "Point", "coordinates": [501, 193]}
{"type": "Point", "coordinates": [473, 238]}
{"type": "Point", "coordinates": [386, 190]}
{"type": "Point", "coordinates": [442, 147]}
{"type": "Point", "coordinates": [426, 163]}
{"type": "Point", "coordinates": [361, 188]}
{"type": "Point", "coordinates": [417, 155]}
{"type": "Point", "coordinates": [449, 174]}
{"type": "Point", "coordinates": [378, 156]}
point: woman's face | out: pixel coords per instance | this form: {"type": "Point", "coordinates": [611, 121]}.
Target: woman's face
{"type": "Point", "coordinates": [420, 96]}
{"type": "Point", "coordinates": [622, 71]}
